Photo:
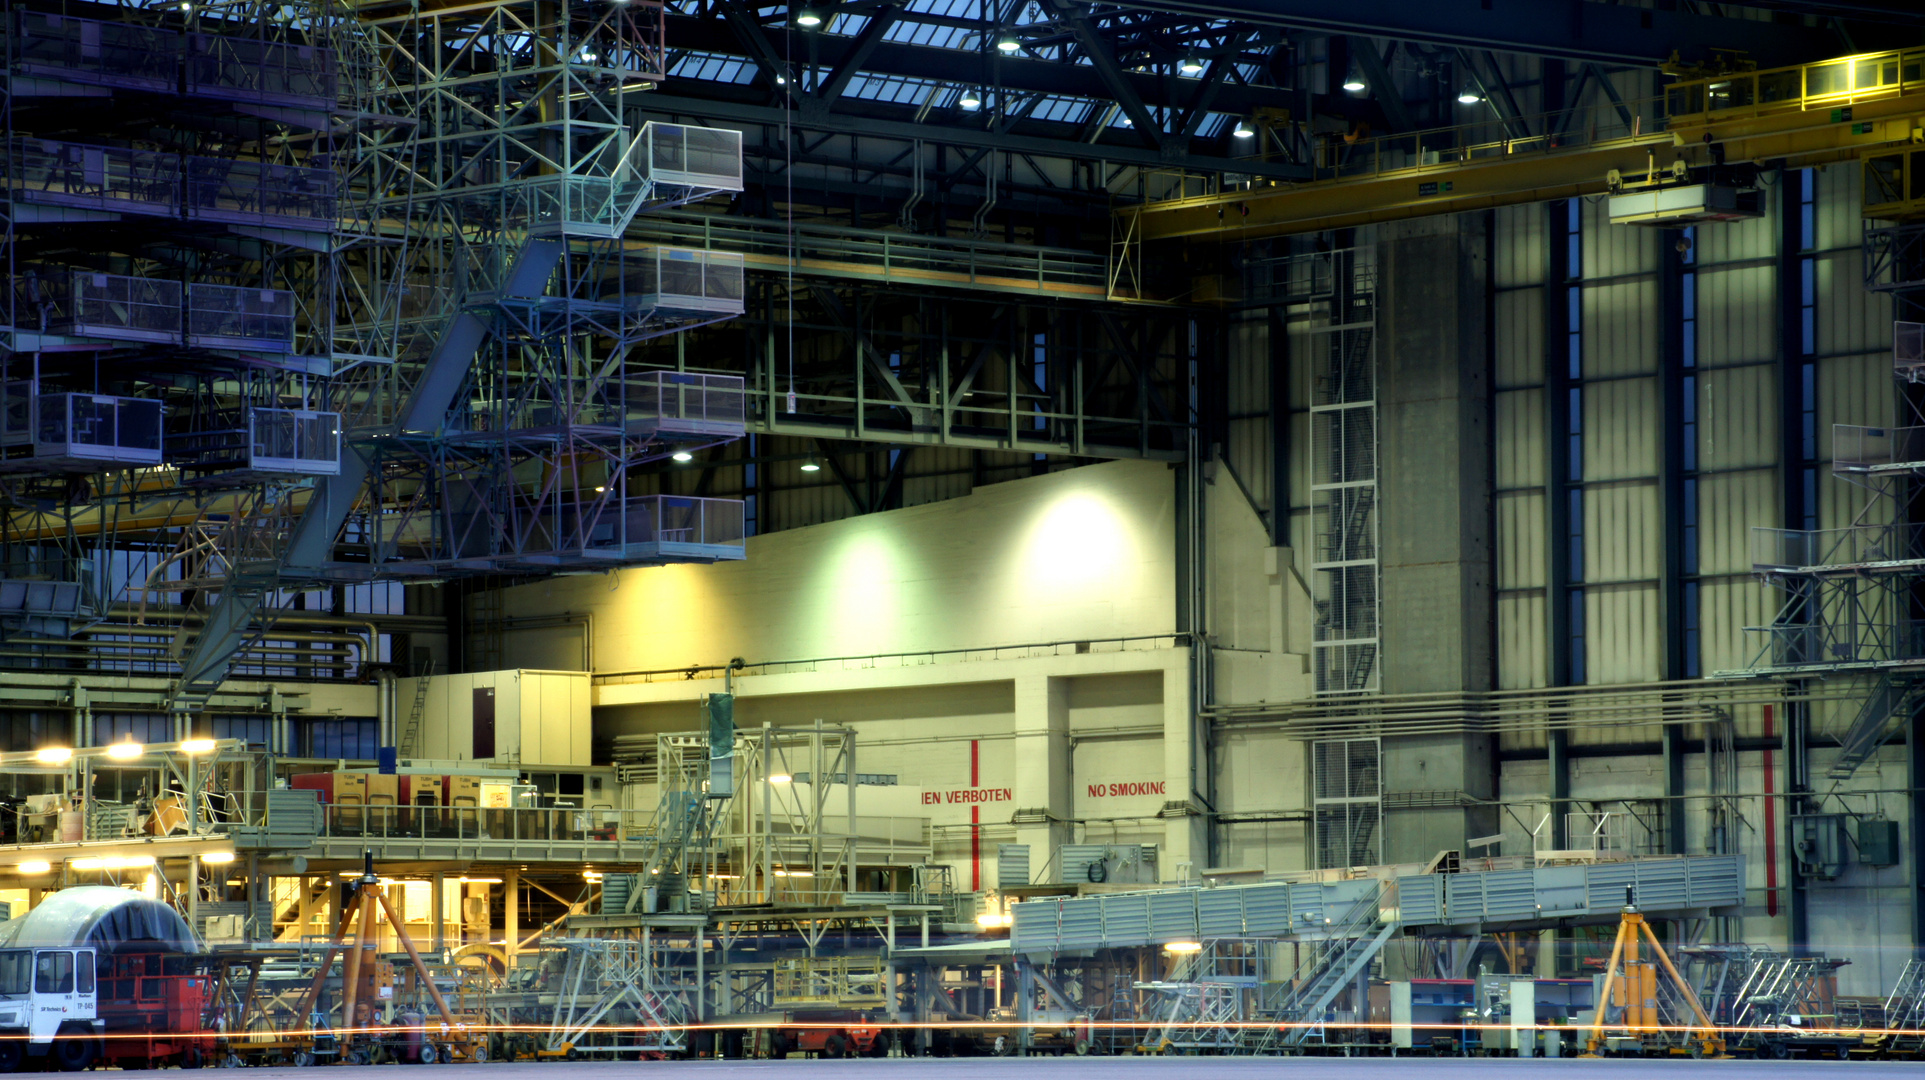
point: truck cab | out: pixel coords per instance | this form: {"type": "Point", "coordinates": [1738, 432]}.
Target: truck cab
{"type": "Point", "coordinates": [47, 995]}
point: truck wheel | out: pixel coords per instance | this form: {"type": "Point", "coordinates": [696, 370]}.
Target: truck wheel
{"type": "Point", "coordinates": [191, 1058]}
{"type": "Point", "coordinates": [12, 1052]}
{"type": "Point", "coordinates": [1777, 1051]}
{"type": "Point", "coordinates": [1843, 1051]}
{"type": "Point", "coordinates": [1082, 1046]}
{"type": "Point", "coordinates": [835, 1047]}
{"type": "Point", "coordinates": [426, 1054]}
{"type": "Point", "coordinates": [72, 1054]}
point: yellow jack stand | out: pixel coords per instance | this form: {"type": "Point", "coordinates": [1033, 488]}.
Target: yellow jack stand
{"type": "Point", "coordinates": [1635, 990]}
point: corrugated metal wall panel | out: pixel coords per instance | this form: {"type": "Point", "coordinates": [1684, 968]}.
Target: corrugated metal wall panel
{"type": "Point", "coordinates": [1622, 531]}
{"type": "Point", "coordinates": [1754, 238]}
{"type": "Point", "coordinates": [1519, 334]}
{"type": "Point", "coordinates": [1612, 251]}
{"type": "Point", "coordinates": [1620, 327]}
{"type": "Point", "coordinates": [1621, 430]}
{"type": "Point", "coordinates": [1730, 505]}
{"type": "Point", "coordinates": [1522, 659]}
{"type": "Point", "coordinates": [1622, 641]}
{"type": "Point", "coordinates": [1725, 607]}
{"type": "Point", "coordinates": [1521, 256]}
{"type": "Point", "coordinates": [1737, 314]}
{"type": "Point", "coordinates": [1738, 418]}
{"type": "Point", "coordinates": [1521, 545]}
{"type": "Point", "coordinates": [1521, 453]}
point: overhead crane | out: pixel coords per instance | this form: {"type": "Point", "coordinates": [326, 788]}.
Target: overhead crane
{"type": "Point", "coordinates": [1716, 130]}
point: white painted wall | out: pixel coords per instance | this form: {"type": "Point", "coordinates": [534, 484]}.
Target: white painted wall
{"type": "Point", "coordinates": [1077, 555]}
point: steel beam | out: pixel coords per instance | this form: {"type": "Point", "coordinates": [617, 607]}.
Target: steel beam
{"type": "Point", "coordinates": [1567, 29]}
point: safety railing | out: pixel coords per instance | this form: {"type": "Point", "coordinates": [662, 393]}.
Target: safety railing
{"type": "Point", "coordinates": [294, 441]}
{"type": "Point", "coordinates": [1856, 547]}
{"type": "Point", "coordinates": [97, 53]}
{"type": "Point", "coordinates": [94, 177]}
{"type": "Point", "coordinates": [680, 402]}
{"type": "Point", "coordinates": [1856, 449]}
{"type": "Point", "coordinates": [885, 256]}
{"type": "Point", "coordinates": [361, 821]}
{"type": "Point", "coordinates": [698, 157]}
{"type": "Point", "coordinates": [255, 193]}
{"type": "Point", "coordinates": [672, 522]}
{"type": "Point", "coordinates": [269, 72]}
{"type": "Point", "coordinates": [229, 317]}
{"type": "Point", "coordinates": [1826, 85]}
{"type": "Point", "coordinates": [82, 428]}
{"type": "Point", "coordinates": [684, 282]}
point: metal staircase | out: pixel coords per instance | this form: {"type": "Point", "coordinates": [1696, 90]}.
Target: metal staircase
{"type": "Point", "coordinates": [1905, 1011]}
{"type": "Point", "coordinates": [1891, 702]}
{"type": "Point", "coordinates": [1345, 949]}
{"type": "Point", "coordinates": [1204, 1009]}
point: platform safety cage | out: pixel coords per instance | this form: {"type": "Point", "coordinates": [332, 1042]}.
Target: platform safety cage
{"type": "Point", "coordinates": [94, 177]}
{"type": "Point", "coordinates": [687, 282]}
{"type": "Point", "coordinates": [98, 53]}
{"type": "Point", "coordinates": [680, 401]}
{"type": "Point", "coordinates": [227, 316]}
{"type": "Point", "coordinates": [272, 72]}
{"type": "Point", "coordinates": [242, 192]}
{"type": "Point", "coordinates": [75, 427]}
{"type": "Point", "coordinates": [672, 522]}
{"type": "Point", "coordinates": [128, 308]}
{"type": "Point", "coordinates": [697, 157]}
{"type": "Point", "coordinates": [294, 441]}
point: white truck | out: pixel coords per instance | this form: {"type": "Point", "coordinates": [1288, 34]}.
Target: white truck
{"type": "Point", "coordinates": [47, 1008]}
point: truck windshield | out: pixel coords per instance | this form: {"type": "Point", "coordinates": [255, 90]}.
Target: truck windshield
{"type": "Point", "coordinates": [16, 972]}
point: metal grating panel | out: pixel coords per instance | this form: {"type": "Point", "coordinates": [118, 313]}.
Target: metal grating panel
{"type": "Point", "coordinates": [1126, 920]}
{"type": "Point", "coordinates": [1219, 912]}
{"type": "Point", "coordinates": [1509, 894]}
{"type": "Point", "coordinates": [1266, 910]}
{"type": "Point", "coordinates": [1464, 898]}
{"type": "Point", "coordinates": [1080, 923]}
{"type": "Point", "coordinates": [1716, 882]}
{"type": "Point", "coordinates": [1173, 915]}
{"type": "Point", "coordinates": [1012, 865]}
{"type": "Point", "coordinates": [1420, 899]}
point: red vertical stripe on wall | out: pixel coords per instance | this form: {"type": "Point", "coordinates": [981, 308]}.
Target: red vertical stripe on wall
{"type": "Point", "coordinates": [975, 822]}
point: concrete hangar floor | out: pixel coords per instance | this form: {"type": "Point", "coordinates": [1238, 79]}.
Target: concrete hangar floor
{"type": "Point", "coordinates": [1152, 1068]}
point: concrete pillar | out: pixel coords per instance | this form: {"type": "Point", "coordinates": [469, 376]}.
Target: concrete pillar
{"type": "Point", "coordinates": [1042, 791]}
{"type": "Point", "coordinates": [1184, 839]}
{"type": "Point", "coordinates": [1438, 521]}
{"type": "Point", "coordinates": [437, 898]}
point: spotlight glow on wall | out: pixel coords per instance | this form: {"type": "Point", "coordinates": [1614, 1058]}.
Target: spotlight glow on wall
{"type": "Point", "coordinates": [217, 858]}
{"type": "Point", "coordinates": [35, 866]}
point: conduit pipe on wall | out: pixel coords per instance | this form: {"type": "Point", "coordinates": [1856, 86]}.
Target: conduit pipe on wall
{"type": "Point", "coordinates": [1560, 708]}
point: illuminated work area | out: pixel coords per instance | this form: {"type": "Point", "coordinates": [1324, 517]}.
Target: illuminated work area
{"type": "Point", "coordinates": [628, 530]}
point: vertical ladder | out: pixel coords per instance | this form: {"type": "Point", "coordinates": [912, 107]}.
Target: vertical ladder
{"type": "Point", "coordinates": [411, 731]}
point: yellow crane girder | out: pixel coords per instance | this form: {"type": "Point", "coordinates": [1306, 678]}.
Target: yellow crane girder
{"type": "Point", "coordinates": [1812, 114]}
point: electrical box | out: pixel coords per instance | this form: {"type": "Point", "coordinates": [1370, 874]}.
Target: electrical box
{"type": "Point", "coordinates": [719, 709]}
{"type": "Point", "coordinates": [1818, 843]}
{"type": "Point", "coordinates": [1877, 842]}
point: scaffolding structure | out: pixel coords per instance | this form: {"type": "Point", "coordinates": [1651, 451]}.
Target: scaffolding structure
{"type": "Point", "coordinates": [369, 313]}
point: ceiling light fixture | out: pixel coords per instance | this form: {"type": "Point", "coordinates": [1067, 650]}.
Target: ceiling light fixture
{"type": "Point", "coordinates": [808, 17]}
{"type": "Point", "coordinates": [35, 866]}
{"type": "Point", "coordinates": [217, 858]}
{"type": "Point", "coordinates": [681, 455]}
{"type": "Point", "coordinates": [1008, 43]}
{"type": "Point", "coordinates": [54, 755]}
{"type": "Point", "coordinates": [1354, 81]}
{"type": "Point", "coordinates": [1191, 64]}
{"type": "Point", "coordinates": [1183, 947]}
{"type": "Point", "coordinates": [1243, 130]}
{"type": "Point", "coordinates": [197, 746]}
{"type": "Point", "coordinates": [1469, 95]}
{"type": "Point", "coordinates": [124, 751]}
{"type": "Point", "coordinates": [971, 99]}
{"type": "Point", "coordinates": [809, 465]}
{"type": "Point", "coordinates": [781, 778]}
